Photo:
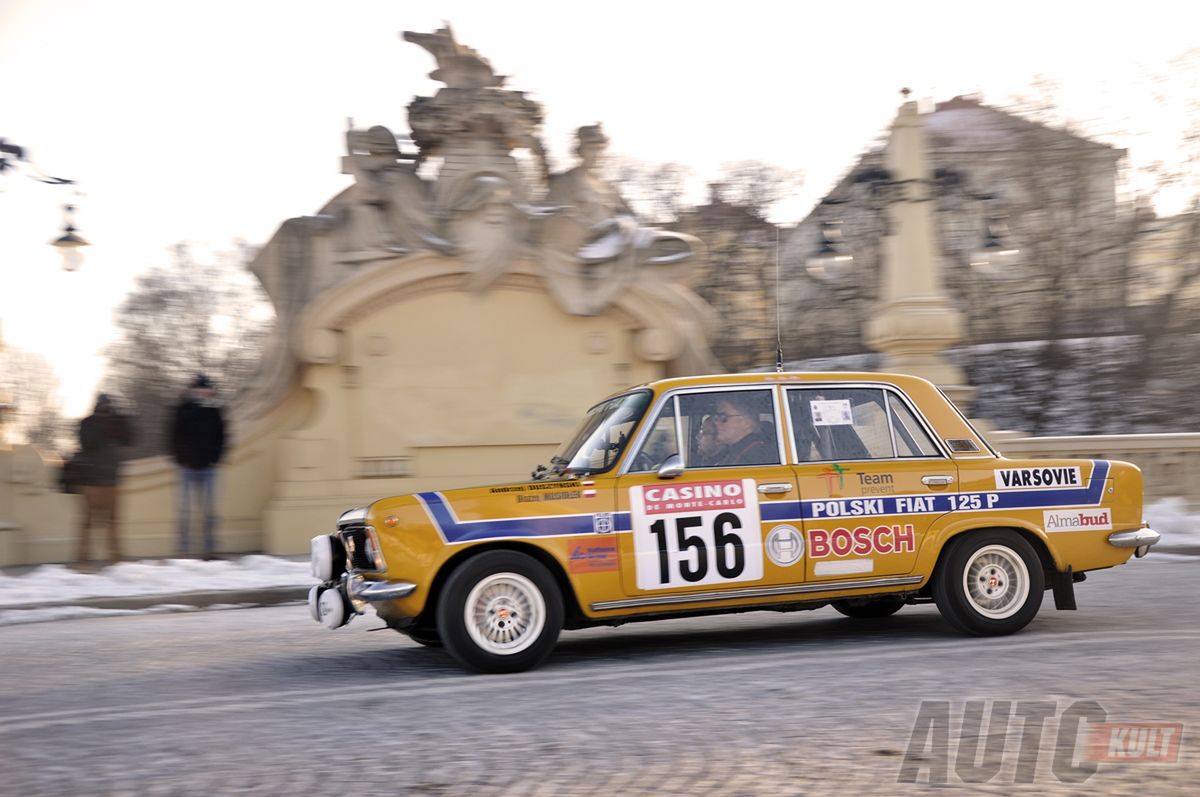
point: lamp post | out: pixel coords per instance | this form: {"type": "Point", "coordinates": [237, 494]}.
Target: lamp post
{"type": "Point", "coordinates": [70, 242]}
{"type": "Point", "coordinates": [914, 321]}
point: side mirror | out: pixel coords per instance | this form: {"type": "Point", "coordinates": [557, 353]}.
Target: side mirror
{"type": "Point", "coordinates": [671, 467]}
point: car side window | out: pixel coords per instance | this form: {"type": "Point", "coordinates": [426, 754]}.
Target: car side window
{"type": "Point", "coordinates": [911, 439]}
{"type": "Point", "coordinates": [729, 428]}
{"type": "Point", "coordinates": [660, 443]}
{"type": "Point", "coordinates": [853, 423]}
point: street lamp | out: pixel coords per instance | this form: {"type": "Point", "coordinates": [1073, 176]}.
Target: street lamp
{"type": "Point", "coordinates": [994, 257]}
{"type": "Point", "coordinates": [829, 262]}
{"type": "Point", "coordinates": [70, 242]}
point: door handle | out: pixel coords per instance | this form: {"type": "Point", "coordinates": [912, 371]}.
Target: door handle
{"type": "Point", "coordinates": [932, 481]}
{"type": "Point", "coordinates": [775, 489]}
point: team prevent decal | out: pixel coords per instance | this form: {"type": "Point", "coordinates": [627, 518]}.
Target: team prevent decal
{"type": "Point", "coordinates": [593, 558]}
{"type": "Point", "coordinates": [1098, 519]}
{"type": "Point", "coordinates": [861, 541]}
{"type": "Point", "coordinates": [699, 533]}
{"type": "Point", "coordinates": [1024, 478]}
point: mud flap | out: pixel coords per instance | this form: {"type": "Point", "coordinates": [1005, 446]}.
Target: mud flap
{"type": "Point", "coordinates": [1064, 590]}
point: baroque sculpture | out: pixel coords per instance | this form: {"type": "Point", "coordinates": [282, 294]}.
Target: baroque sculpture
{"type": "Point", "coordinates": [486, 207]}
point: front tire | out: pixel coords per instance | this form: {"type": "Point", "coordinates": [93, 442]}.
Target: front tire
{"type": "Point", "coordinates": [424, 635]}
{"type": "Point", "coordinates": [501, 611]}
{"type": "Point", "coordinates": [990, 583]}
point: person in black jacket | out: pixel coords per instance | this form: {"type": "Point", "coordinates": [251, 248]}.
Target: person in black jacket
{"type": "Point", "coordinates": [739, 430]}
{"type": "Point", "coordinates": [197, 436]}
{"type": "Point", "coordinates": [95, 471]}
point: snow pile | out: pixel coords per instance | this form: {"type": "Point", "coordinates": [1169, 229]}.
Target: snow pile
{"type": "Point", "coordinates": [1170, 519]}
{"type": "Point", "coordinates": [57, 583]}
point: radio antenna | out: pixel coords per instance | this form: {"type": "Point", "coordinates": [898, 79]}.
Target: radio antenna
{"type": "Point", "coordinates": [778, 334]}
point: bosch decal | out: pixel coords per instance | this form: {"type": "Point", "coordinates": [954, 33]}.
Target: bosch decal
{"type": "Point", "coordinates": [861, 541]}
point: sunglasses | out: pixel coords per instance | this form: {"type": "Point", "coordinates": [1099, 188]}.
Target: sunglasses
{"type": "Point", "coordinates": [722, 417]}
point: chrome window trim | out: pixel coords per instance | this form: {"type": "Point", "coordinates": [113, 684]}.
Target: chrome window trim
{"type": "Point", "coordinates": [887, 410]}
{"type": "Point", "coordinates": [887, 388]}
{"type": "Point", "coordinates": [930, 437]}
{"type": "Point", "coordinates": [675, 393]}
{"type": "Point", "coordinates": [681, 448]}
{"type": "Point", "coordinates": [753, 592]}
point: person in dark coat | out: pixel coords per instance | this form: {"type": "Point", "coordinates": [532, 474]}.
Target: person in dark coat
{"type": "Point", "coordinates": [197, 436]}
{"type": "Point", "coordinates": [95, 471]}
{"type": "Point", "coordinates": [745, 440]}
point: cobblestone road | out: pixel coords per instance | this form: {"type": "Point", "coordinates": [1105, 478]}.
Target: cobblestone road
{"type": "Point", "coordinates": [263, 701]}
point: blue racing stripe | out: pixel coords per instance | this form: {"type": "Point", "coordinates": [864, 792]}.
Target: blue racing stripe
{"type": "Point", "coordinates": [454, 530]}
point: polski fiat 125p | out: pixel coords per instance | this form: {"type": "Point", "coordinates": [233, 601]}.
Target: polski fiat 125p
{"type": "Point", "coordinates": [731, 493]}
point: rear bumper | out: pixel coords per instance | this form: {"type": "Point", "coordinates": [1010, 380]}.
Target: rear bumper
{"type": "Point", "coordinates": [1140, 539]}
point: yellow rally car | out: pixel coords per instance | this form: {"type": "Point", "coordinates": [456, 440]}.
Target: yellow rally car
{"type": "Point", "coordinates": [731, 493]}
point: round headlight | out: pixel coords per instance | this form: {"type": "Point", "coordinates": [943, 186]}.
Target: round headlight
{"type": "Point", "coordinates": [331, 606]}
{"type": "Point", "coordinates": [313, 595]}
{"type": "Point", "coordinates": [322, 557]}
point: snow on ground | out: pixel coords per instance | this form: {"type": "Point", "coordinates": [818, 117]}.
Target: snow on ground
{"type": "Point", "coordinates": [58, 583]}
{"type": "Point", "coordinates": [1170, 519]}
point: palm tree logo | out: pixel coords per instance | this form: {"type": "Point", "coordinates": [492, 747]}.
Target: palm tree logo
{"type": "Point", "coordinates": [834, 471]}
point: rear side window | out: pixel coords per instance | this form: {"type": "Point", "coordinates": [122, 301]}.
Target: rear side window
{"type": "Point", "coordinates": [854, 423]}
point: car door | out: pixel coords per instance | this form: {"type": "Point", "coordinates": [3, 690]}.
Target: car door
{"type": "Point", "coordinates": [710, 527]}
{"type": "Point", "coordinates": [869, 474]}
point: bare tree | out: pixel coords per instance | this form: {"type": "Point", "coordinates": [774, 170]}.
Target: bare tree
{"type": "Point", "coordinates": [194, 315]}
{"type": "Point", "coordinates": [37, 409]}
{"type": "Point", "coordinates": [655, 191]}
{"type": "Point", "coordinates": [757, 185]}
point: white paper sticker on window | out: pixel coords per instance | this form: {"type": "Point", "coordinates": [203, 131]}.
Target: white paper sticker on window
{"type": "Point", "coordinates": [831, 413]}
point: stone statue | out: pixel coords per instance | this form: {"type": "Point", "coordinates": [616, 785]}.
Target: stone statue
{"type": "Point", "coordinates": [388, 214]}
{"type": "Point", "coordinates": [595, 245]}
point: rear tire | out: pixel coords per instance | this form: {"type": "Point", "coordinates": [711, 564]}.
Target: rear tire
{"type": "Point", "coordinates": [501, 611]}
{"type": "Point", "coordinates": [871, 609]}
{"type": "Point", "coordinates": [989, 583]}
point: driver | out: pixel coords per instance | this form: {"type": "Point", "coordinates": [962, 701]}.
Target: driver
{"type": "Point", "coordinates": [742, 434]}
{"type": "Point", "coordinates": [709, 450]}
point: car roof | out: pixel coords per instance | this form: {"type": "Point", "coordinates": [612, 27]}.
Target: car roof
{"type": "Point", "coordinates": [775, 378]}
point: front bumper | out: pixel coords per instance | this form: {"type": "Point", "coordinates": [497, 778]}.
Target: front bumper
{"type": "Point", "coordinates": [333, 604]}
{"type": "Point", "coordinates": [1140, 540]}
{"type": "Point", "coordinates": [342, 594]}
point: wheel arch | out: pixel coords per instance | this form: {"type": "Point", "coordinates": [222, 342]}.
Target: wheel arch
{"type": "Point", "coordinates": [1035, 537]}
{"type": "Point", "coordinates": [573, 613]}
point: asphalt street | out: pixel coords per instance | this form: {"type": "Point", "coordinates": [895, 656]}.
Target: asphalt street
{"type": "Point", "coordinates": [264, 701]}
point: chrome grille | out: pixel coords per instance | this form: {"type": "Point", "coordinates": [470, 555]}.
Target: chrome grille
{"type": "Point", "coordinates": [357, 554]}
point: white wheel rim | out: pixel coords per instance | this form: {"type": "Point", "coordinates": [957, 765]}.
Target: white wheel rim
{"type": "Point", "coordinates": [996, 582]}
{"type": "Point", "coordinates": [505, 613]}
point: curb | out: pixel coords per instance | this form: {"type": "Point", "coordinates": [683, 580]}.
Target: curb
{"type": "Point", "coordinates": [260, 596]}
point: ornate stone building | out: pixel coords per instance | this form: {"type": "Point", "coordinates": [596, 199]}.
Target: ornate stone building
{"type": "Point", "coordinates": [1054, 194]}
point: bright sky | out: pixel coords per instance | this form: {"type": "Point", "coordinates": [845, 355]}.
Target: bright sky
{"type": "Point", "coordinates": [207, 122]}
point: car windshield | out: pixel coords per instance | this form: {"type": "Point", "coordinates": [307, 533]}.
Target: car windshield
{"type": "Point", "coordinates": [603, 435]}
